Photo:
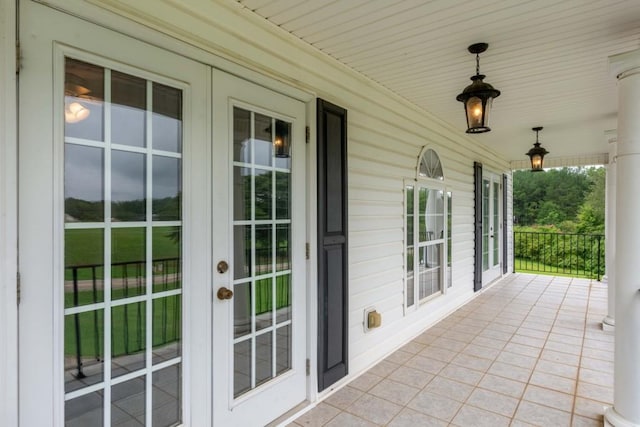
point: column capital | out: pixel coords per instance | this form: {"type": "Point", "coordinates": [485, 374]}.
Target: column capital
{"type": "Point", "coordinates": [624, 64]}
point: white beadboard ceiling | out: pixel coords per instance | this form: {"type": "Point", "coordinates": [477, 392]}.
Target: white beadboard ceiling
{"type": "Point", "coordinates": [549, 58]}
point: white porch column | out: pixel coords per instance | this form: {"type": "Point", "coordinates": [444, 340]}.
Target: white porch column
{"type": "Point", "coordinates": [608, 323]}
{"type": "Point", "coordinates": [626, 407]}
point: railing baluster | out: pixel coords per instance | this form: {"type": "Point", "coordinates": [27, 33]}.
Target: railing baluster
{"type": "Point", "coordinates": [96, 330]}
{"type": "Point", "coordinates": [76, 319]}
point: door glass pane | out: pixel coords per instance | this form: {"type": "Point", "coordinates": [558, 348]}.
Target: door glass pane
{"type": "Point", "coordinates": [167, 396]}
{"type": "Point", "coordinates": [264, 357]}
{"type": "Point", "coordinates": [83, 100]}
{"type": "Point", "coordinates": [242, 136]}
{"type": "Point", "coordinates": [262, 142]}
{"type": "Point", "coordinates": [83, 184]}
{"type": "Point", "coordinates": [264, 249]}
{"type": "Point", "coordinates": [242, 309]}
{"type": "Point", "coordinates": [264, 303]}
{"type": "Point", "coordinates": [242, 358]}
{"type": "Point", "coordinates": [83, 349]}
{"type": "Point", "coordinates": [495, 221]}
{"type": "Point", "coordinates": [485, 224]}
{"type": "Point", "coordinates": [283, 298]}
{"type": "Point", "coordinates": [128, 262]}
{"type": "Point", "coordinates": [122, 259]}
{"type": "Point", "coordinates": [283, 349]}
{"type": "Point", "coordinates": [83, 267]}
{"type": "Point", "coordinates": [283, 182]}
{"type": "Point", "coordinates": [263, 198]}
{"type": "Point", "coordinates": [128, 109]}
{"type": "Point", "coordinates": [449, 243]}
{"type": "Point", "coordinates": [242, 251]}
{"type": "Point", "coordinates": [128, 338]}
{"type": "Point", "coordinates": [261, 248]}
{"type": "Point", "coordinates": [166, 180]}
{"type": "Point", "coordinates": [167, 118]}
{"type": "Point", "coordinates": [167, 266]}
{"type": "Point", "coordinates": [86, 410]}
{"type": "Point", "coordinates": [283, 247]}
{"type": "Point", "coordinates": [128, 186]}
{"type": "Point", "coordinates": [242, 193]}
{"type": "Point", "coordinates": [128, 403]}
{"type": "Point", "coordinates": [167, 328]}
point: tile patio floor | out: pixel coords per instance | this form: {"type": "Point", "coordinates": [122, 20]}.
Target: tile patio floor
{"type": "Point", "coordinates": [528, 351]}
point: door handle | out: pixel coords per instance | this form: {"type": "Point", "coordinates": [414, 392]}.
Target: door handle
{"type": "Point", "coordinates": [224, 293]}
{"type": "Point", "coordinates": [222, 267]}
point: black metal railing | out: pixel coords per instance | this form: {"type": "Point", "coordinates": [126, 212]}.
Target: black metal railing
{"type": "Point", "coordinates": [570, 254]}
{"type": "Point", "coordinates": [84, 285]}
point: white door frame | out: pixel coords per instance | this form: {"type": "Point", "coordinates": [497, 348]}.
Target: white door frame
{"type": "Point", "coordinates": [8, 217]}
{"type": "Point", "coordinates": [494, 269]}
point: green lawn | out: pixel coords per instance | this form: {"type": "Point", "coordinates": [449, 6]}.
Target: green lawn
{"type": "Point", "coordinates": [128, 328]}
{"type": "Point", "coordinates": [522, 265]}
{"type": "Point", "coordinates": [128, 245]}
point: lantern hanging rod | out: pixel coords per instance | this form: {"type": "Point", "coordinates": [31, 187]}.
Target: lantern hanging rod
{"type": "Point", "coordinates": [536, 130]}
{"type": "Point", "coordinates": [478, 48]}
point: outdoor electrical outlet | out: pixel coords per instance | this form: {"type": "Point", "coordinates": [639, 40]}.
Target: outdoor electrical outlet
{"type": "Point", "coordinates": [372, 319]}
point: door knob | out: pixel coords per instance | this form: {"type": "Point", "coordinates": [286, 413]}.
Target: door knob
{"type": "Point", "coordinates": [224, 293]}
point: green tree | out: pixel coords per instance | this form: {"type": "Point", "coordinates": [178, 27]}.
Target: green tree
{"type": "Point", "coordinates": [591, 215]}
{"type": "Point", "coordinates": [551, 197]}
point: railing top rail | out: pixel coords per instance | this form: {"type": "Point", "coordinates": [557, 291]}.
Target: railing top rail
{"type": "Point", "coordinates": [121, 263]}
{"type": "Point", "coordinates": [558, 234]}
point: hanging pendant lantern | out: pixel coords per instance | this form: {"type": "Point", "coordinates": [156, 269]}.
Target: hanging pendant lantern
{"type": "Point", "coordinates": [478, 96]}
{"type": "Point", "coordinates": [537, 153]}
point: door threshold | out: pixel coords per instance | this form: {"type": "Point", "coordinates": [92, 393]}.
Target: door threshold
{"type": "Point", "coordinates": [292, 414]}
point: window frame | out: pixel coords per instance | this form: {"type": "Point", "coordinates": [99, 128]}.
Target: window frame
{"type": "Point", "coordinates": [411, 298]}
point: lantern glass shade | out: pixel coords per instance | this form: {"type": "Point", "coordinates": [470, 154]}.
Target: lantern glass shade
{"type": "Point", "coordinates": [477, 99]}
{"type": "Point", "coordinates": [536, 162]}
{"type": "Point", "coordinates": [477, 111]}
{"type": "Point", "coordinates": [282, 139]}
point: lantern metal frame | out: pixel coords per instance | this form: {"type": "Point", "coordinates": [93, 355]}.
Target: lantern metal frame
{"type": "Point", "coordinates": [537, 151]}
{"type": "Point", "coordinates": [479, 92]}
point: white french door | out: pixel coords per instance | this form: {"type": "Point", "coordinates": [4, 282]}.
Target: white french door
{"type": "Point", "coordinates": [148, 182]}
{"type": "Point", "coordinates": [258, 228]}
{"type": "Point", "coordinates": [491, 227]}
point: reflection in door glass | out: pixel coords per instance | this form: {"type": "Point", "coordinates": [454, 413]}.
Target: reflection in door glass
{"type": "Point", "coordinates": [261, 249]}
{"type": "Point", "coordinates": [83, 100]}
{"type": "Point", "coordinates": [128, 105]}
{"type": "Point", "coordinates": [83, 183]}
{"type": "Point", "coordinates": [122, 259]}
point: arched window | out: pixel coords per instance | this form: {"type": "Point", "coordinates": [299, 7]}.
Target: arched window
{"type": "Point", "coordinates": [430, 166]}
{"type": "Point", "coordinates": [428, 231]}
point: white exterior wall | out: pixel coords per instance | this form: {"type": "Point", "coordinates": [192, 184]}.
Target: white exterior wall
{"type": "Point", "coordinates": [386, 135]}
